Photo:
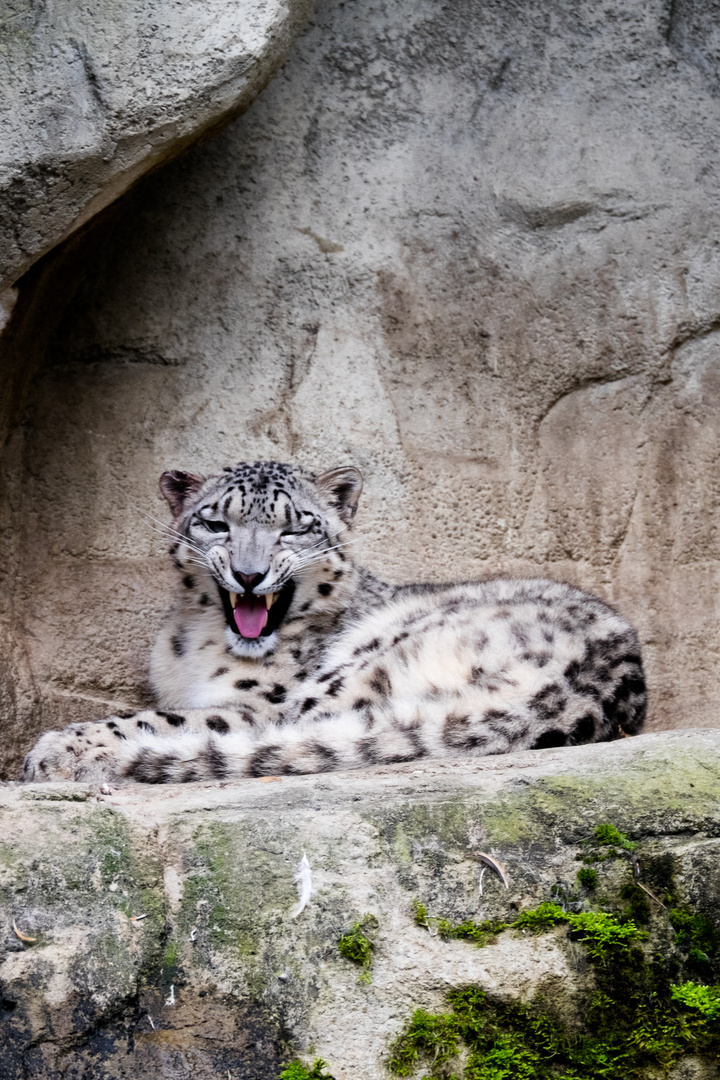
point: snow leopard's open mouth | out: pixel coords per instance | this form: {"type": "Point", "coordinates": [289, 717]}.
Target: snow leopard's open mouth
{"type": "Point", "coordinates": [252, 616]}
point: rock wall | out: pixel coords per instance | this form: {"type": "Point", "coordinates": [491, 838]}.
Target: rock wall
{"type": "Point", "coordinates": [94, 98]}
{"type": "Point", "coordinates": [470, 248]}
{"type": "Point", "coordinates": [168, 941]}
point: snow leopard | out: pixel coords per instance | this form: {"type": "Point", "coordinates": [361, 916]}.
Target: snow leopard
{"type": "Point", "coordinates": [283, 656]}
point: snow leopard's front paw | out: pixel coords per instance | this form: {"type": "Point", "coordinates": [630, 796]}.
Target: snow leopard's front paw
{"type": "Point", "coordinates": [78, 752]}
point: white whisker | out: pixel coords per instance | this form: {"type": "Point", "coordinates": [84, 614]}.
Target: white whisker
{"type": "Point", "coordinates": [315, 556]}
{"type": "Point", "coordinates": [172, 534]}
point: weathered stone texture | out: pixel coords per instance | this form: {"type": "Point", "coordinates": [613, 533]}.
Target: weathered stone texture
{"type": "Point", "coordinates": [211, 866]}
{"type": "Point", "coordinates": [470, 248]}
{"type": "Point", "coordinates": [94, 96]}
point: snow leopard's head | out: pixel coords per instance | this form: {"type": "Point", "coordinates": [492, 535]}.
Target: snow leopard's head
{"type": "Point", "coordinates": [271, 538]}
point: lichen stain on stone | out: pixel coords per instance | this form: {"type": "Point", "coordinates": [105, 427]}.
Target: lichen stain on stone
{"type": "Point", "coordinates": [673, 793]}
{"type": "Point", "coordinates": [239, 893]}
{"type": "Point", "coordinates": [449, 825]}
{"type": "Point", "coordinates": [57, 871]}
{"type": "Point", "coordinates": [401, 846]}
{"type": "Point", "coordinates": [233, 886]}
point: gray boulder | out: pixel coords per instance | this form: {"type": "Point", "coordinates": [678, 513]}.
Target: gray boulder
{"type": "Point", "coordinates": [93, 97]}
{"type": "Point", "coordinates": [168, 940]}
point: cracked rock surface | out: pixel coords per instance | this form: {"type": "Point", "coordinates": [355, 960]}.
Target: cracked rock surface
{"type": "Point", "coordinates": [93, 96]}
{"type": "Point", "coordinates": [218, 976]}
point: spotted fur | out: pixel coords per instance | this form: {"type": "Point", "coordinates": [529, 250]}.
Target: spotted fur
{"type": "Point", "coordinates": [348, 671]}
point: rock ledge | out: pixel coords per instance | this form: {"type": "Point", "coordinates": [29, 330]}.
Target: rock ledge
{"type": "Point", "coordinates": [219, 976]}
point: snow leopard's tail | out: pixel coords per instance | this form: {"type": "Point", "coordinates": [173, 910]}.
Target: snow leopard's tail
{"type": "Point", "coordinates": [400, 732]}
{"type": "Point", "coordinates": [340, 742]}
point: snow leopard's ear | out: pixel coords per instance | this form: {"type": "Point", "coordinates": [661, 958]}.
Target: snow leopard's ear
{"type": "Point", "coordinates": [341, 487]}
{"type": "Point", "coordinates": [177, 487]}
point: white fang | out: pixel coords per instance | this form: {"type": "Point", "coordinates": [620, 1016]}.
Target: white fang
{"type": "Point", "coordinates": [303, 877]}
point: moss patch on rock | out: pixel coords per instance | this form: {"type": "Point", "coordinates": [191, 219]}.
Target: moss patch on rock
{"type": "Point", "coordinates": [644, 1013]}
{"type": "Point", "coordinates": [295, 1070]}
{"type": "Point", "coordinates": [482, 933]}
{"type": "Point", "coordinates": [514, 1041]}
{"type": "Point", "coordinates": [358, 944]}
{"type": "Point", "coordinates": [587, 877]}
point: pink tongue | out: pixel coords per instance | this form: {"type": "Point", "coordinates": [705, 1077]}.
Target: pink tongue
{"type": "Point", "coordinates": [251, 615]}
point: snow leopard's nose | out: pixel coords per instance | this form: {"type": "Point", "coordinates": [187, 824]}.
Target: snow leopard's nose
{"type": "Point", "coordinates": [249, 581]}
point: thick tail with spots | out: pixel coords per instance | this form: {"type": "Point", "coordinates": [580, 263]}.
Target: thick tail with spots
{"type": "Point", "coordinates": [351, 740]}
{"type": "Point", "coordinates": [339, 742]}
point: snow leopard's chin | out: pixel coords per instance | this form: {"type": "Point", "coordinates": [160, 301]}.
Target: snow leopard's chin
{"type": "Point", "coordinates": [250, 648]}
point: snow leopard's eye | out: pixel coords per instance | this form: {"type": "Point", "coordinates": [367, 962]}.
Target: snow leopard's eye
{"type": "Point", "coordinates": [302, 526]}
{"type": "Point", "coordinates": [214, 526]}
{"type": "Point", "coordinates": [294, 532]}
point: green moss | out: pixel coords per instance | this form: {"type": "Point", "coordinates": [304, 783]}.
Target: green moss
{"type": "Point", "coordinates": [638, 908]}
{"type": "Point", "coordinates": [431, 1036]}
{"type": "Point", "coordinates": [500, 1040]}
{"type": "Point", "coordinates": [696, 932]}
{"type": "Point", "coordinates": [295, 1070]}
{"type": "Point", "coordinates": [540, 918]}
{"type": "Point", "coordinates": [610, 844]}
{"type": "Point", "coordinates": [601, 933]}
{"type": "Point", "coordinates": [703, 999]}
{"type": "Point", "coordinates": [639, 1018]}
{"type": "Point", "coordinates": [587, 878]}
{"type": "Point", "coordinates": [420, 913]}
{"type": "Point", "coordinates": [514, 1041]}
{"type": "Point", "coordinates": [357, 945]}
{"type": "Point", "coordinates": [609, 835]}
{"type": "Point", "coordinates": [482, 934]}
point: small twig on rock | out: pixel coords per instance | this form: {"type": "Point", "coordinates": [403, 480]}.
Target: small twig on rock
{"type": "Point", "coordinates": [22, 937]}
{"type": "Point", "coordinates": [651, 895]}
{"type": "Point", "coordinates": [494, 865]}
{"type": "Point", "coordinates": [636, 876]}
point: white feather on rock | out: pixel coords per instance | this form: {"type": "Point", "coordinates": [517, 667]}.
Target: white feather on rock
{"type": "Point", "coordinates": [303, 877]}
